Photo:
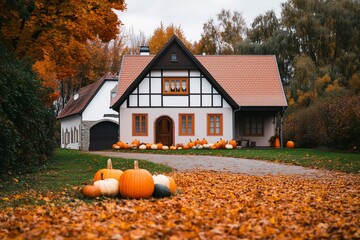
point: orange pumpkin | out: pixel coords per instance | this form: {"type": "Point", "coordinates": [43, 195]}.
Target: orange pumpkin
{"type": "Point", "coordinates": [91, 191]}
{"type": "Point", "coordinates": [217, 145]}
{"type": "Point", "coordinates": [186, 147]}
{"type": "Point", "coordinates": [203, 141]}
{"type": "Point", "coordinates": [191, 144]}
{"type": "Point", "coordinates": [148, 145]}
{"type": "Point", "coordinates": [213, 146]}
{"type": "Point", "coordinates": [172, 183]}
{"type": "Point", "coordinates": [233, 143]}
{"type": "Point", "coordinates": [290, 144]}
{"type": "Point", "coordinates": [222, 143]}
{"type": "Point", "coordinates": [108, 172]}
{"type": "Point", "coordinates": [126, 146]}
{"type": "Point", "coordinates": [120, 144]}
{"type": "Point", "coordinates": [197, 141]}
{"type": "Point", "coordinates": [172, 147]}
{"type": "Point", "coordinates": [277, 142]}
{"type": "Point", "coordinates": [136, 183]}
{"type": "Point", "coordinates": [135, 142]}
{"type": "Point", "coordinates": [159, 145]}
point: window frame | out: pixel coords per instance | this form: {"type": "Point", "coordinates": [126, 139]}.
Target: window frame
{"type": "Point", "coordinates": [208, 127]}
{"type": "Point", "coordinates": [174, 79]}
{"type": "Point", "coordinates": [187, 124]}
{"type": "Point", "coordinates": [248, 131]}
{"type": "Point", "coordinates": [140, 133]}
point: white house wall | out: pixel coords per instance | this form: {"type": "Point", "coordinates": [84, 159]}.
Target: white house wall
{"type": "Point", "coordinates": [99, 107]}
{"type": "Point", "coordinates": [200, 123]}
{"type": "Point", "coordinates": [71, 132]}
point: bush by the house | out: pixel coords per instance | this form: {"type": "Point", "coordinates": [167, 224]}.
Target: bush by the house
{"type": "Point", "coordinates": [330, 123]}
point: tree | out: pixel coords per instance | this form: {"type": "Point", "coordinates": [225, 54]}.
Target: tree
{"type": "Point", "coordinates": [59, 30]}
{"type": "Point", "coordinates": [263, 27]}
{"type": "Point", "coordinates": [161, 36]}
{"type": "Point", "coordinates": [223, 36]}
{"type": "Point", "coordinates": [134, 41]}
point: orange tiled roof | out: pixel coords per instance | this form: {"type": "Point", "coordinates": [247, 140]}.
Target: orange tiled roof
{"type": "Point", "coordinates": [250, 80]}
{"type": "Point", "coordinates": [85, 95]}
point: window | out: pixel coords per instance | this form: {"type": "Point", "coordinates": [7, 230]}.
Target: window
{"type": "Point", "coordinates": [173, 57]}
{"type": "Point", "coordinates": [177, 86]}
{"type": "Point", "coordinates": [140, 125]}
{"type": "Point", "coordinates": [186, 124]}
{"type": "Point", "coordinates": [214, 124]}
{"type": "Point", "coordinates": [254, 126]}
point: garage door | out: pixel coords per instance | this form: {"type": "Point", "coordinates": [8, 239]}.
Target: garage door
{"type": "Point", "coordinates": [103, 135]}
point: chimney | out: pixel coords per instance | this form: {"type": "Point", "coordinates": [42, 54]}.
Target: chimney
{"type": "Point", "coordinates": [144, 50]}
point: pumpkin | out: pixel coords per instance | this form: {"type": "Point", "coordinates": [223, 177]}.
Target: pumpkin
{"type": "Point", "coordinates": [233, 143]}
{"type": "Point", "coordinates": [135, 142]}
{"type": "Point", "coordinates": [154, 146]}
{"type": "Point", "coordinates": [277, 142]}
{"type": "Point", "coordinates": [213, 147]}
{"type": "Point", "coordinates": [159, 145]}
{"type": "Point", "coordinates": [136, 183]}
{"type": "Point", "coordinates": [290, 144]}
{"type": "Point", "coordinates": [108, 172]}
{"type": "Point", "coordinates": [203, 141]}
{"type": "Point", "coordinates": [222, 143]}
{"type": "Point", "coordinates": [172, 184]}
{"type": "Point", "coordinates": [179, 148]}
{"type": "Point", "coordinates": [197, 141]}
{"type": "Point", "coordinates": [217, 145]}
{"type": "Point", "coordinates": [172, 147]}
{"type": "Point", "coordinates": [165, 148]}
{"type": "Point", "coordinates": [161, 191]}
{"type": "Point", "coordinates": [191, 144]}
{"type": "Point", "coordinates": [148, 146]}
{"type": "Point", "coordinates": [229, 146]}
{"type": "Point", "coordinates": [91, 191]}
{"type": "Point", "coordinates": [186, 147]}
{"type": "Point", "coordinates": [120, 144]}
{"type": "Point", "coordinates": [161, 179]}
{"type": "Point", "coordinates": [108, 187]}
{"type": "Point", "coordinates": [126, 146]}
{"type": "Point", "coordinates": [142, 147]}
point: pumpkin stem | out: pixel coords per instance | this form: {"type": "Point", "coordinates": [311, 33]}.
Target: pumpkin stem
{"type": "Point", "coordinates": [102, 176]}
{"type": "Point", "coordinates": [136, 165]}
{"type": "Point", "coordinates": [109, 164]}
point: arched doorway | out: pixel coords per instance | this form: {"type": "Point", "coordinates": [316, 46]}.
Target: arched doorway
{"type": "Point", "coordinates": [103, 135]}
{"type": "Point", "coordinates": [164, 130]}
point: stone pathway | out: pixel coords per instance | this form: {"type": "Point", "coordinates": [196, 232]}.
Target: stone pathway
{"type": "Point", "coordinates": [223, 164]}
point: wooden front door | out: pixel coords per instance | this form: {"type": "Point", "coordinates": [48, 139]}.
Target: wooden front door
{"type": "Point", "coordinates": [164, 131]}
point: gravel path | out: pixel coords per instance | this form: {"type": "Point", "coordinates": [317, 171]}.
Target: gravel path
{"type": "Point", "coordinates": [223, 164]}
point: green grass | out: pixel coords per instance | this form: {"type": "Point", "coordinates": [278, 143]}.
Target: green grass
{"type": "Point", "coordinates": [67, 170]}
{"type": "Point", "coordinates": [313, 158]}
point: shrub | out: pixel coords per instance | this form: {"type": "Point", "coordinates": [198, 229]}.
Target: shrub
{"type": "Point", "coordinates": [330, 123]}
{"type": "Point", "coordinates": [26, 125]}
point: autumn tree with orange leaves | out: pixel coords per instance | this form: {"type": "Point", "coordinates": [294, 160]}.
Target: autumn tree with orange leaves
{"type": "Point", "coordinates": [161, 36]}
{"type": "Point", "coordinates": [54, 34]}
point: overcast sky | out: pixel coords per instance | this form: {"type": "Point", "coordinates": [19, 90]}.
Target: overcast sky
{"type": "Point", "coordinates": [190, 15]}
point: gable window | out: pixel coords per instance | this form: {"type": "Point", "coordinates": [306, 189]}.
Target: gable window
{"type": "Point", "coordinates": [186, 124]}
{"type": "Point", "coordinates": [254, 126]}
{"type": "Point", "coordinates": [214, 124]}
{"type": "Point", "coordinates": [139, 124]}
{"type": "Point", "coordinates": [173, 57]}
{"type": "Point", "coordinates": [175, 85]}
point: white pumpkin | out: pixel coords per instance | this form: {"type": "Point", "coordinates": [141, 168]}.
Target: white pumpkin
{"type": "Point", "coordinates": [165, 148]}
{"type": "Point", "coordinates": [154, 146]}
{"type": "Point", "coordinates": [161, 179]}
{"type": "Point", "coordinates": [142, 147]}
{"type": "Point", "coordinates": [229, 146]}
{"type": "Point", "coordinates": [179, 148]}
{"type": "Point", "coordinates": [108, 187]}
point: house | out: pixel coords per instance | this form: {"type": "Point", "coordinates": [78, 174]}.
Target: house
{"type": "Point", "coordinates": [87, 122]}
{"type": "Point", "coordinates": [175, 96]}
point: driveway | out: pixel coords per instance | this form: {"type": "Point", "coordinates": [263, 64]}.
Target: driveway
{"type": "Point", "coordinates": [223, 164]}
